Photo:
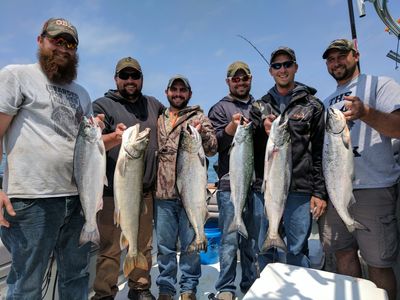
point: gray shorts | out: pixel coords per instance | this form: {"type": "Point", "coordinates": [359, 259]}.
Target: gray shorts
{"type": "Point", "coordinates": [375, 209]}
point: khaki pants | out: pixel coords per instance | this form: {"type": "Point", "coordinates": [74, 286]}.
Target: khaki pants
{"type": "Point", "coordinates": [109, 256]}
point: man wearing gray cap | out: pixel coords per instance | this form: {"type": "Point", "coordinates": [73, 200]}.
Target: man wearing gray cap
{"type": "Point", "coordinates": [171, 216]}
{"type": "Point", "coordinates": [125, 107]}
{"type": "Point", "coordinates": [371, 106]}
{"type": "Point", "coordinates": [303, 112]}
{"type": "Point", "coordinates": [225, 116]}
{"type": "Point", "coordinates": [40, 110]}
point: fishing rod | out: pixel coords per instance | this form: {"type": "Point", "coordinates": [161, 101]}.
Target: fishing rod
{"type": "Point", "coordinates": [263, 57]}
{"type": "Point", "coordinates": [353, 28]}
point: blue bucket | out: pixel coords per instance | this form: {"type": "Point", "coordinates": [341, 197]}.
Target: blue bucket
{"type": "Point", "coordinates": [213, 235]}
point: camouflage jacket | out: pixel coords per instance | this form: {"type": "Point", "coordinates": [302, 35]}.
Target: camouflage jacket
{"type": "Point", "coordinates": [168, 145]}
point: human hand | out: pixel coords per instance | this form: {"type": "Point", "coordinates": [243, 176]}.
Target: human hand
{"type": "Point", "coordinates": [236, 120]}
{"type": "Point", "coordinates": [100, 121]}
{"type": "Point", "coordinates": [355, 108]}
{"type": "Point", "coordinates": [119, 131]}
{"type": "Point", "coordinates": [5, 202]}
{"type": "Point", "coordinates": [317, 207]}
{"type": "Point", "coordinates": [197, 125]}
{"type": "Point", "coordinates": [268, 123]}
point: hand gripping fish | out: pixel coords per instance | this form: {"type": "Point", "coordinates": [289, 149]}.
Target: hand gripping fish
{"type": "Point", "coordinates": [277, 176]}
{"type": "Point", "coordinates": [90, 175]}
{"type": "Point", "coordinates": [128, 193]}
{"type": "Point", "coordinates": [338, 166]}
{"type": "Point", "coordinates": [191, 183]}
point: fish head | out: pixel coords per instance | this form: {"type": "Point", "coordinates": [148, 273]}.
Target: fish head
{"type": "Point", "coordinates": [335, 121]}
{"type": "Point", "coordinates": [244, 133]}
{"type": "Point", "coordinates": [190, 139]}
{"type": "Point", "coordinates": [280, 131]}
{"type": "Point", "coordinates": [134, 141]}
{"type": "Point", "coordinates": [89, 129]}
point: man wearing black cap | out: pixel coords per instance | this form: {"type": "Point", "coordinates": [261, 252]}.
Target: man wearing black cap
{"type": "Point", "coordinates": [225, 117]}
{"type": "Point", "coordinates": [297, 105]}
{"type": "Point", "coordinates": [40, 110]}
{"type": "Point", "coordinates": [371, 106]}
{"type": "Point", "coordinates": [171, 217]}
{"type": "Point", "coordinates": [125, 107]}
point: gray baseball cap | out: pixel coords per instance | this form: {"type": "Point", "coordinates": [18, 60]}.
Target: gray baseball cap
{"type": "Point", "coordinates": [283, 50]}
{"type": "Point", "coordinates": [179, 77]}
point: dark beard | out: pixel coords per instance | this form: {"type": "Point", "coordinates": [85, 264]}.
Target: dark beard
{"type": "Point", "coordinates": [347, 74]}
{"type": "Point", "coordinates": [60, 68]}
{"type": "Point", "coordinates": [180, 106]}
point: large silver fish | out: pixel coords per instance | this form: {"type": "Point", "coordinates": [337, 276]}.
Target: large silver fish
{"type": "Point", "coordinates": [90, 175]}
{"type": "Point", "coordinates": [338, 166]}
{"type": "Point", "coordinates": [277, 176]}
{"type": "Point", "coordinates": [241, 169]}
{"type": "Point", "coordinates": [128, 193]}
{"type": "Point", "coordinates": [191, 183]}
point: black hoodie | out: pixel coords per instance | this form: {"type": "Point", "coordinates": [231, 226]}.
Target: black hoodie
{"type": "Point", "coordinates": [306, 126]}
{"type": "Point", "coordinates": [144, 111]}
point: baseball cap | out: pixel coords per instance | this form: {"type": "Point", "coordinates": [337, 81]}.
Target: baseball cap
{"type": "Point", "coordinates": [340, 44]}
{"type": "Point", "coordinates": [237, 65]}
{"type": "Point", "coordinates": [127, 62]}
{"type": "Point", "coordinates": [56, 26]}
{"type": "Point", "coordinates": [283, 50]}
{"type": "Point", "coordinates": [179, 77]}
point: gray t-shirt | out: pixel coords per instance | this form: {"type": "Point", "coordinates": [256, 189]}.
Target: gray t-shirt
{"type": "Point", "coordinates": [40, 141]}
{"type": "Point", "coordinates": [374, 164]}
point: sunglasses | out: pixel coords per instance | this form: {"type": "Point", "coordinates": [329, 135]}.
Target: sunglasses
{"type": "Point", "coordinates": [286, 64]}
{"type": "Point", "coordinates": [61, 42]}
{"type": "Point", "coordinates": [126, 75]}
{"type": "Point", "coordinates": [237, 79]}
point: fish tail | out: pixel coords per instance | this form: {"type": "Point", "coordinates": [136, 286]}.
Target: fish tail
{"type": "Point", "coordinates": [141, 262]}
{"type": "Point", "coordinates": [271, 243]}
{"type": "Point", "coordinates": [198, 244]}
{"type": "Point", "coordinates": [356, 225]}
{"type": "Point", "coordinates": [89, 235]}
{"type": "Point", "coordinates": [238, 226]}
{"type": "Point", "coordinates": [129, 264]}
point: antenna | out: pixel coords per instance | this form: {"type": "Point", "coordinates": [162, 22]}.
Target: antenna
{"type": "Point", "coordinates": [241, 36]}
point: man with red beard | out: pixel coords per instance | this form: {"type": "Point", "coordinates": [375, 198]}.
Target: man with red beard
{"type": "Point", "coordinates": [125, 107]}
{"type": "Point", "coordinates": [40, 111]}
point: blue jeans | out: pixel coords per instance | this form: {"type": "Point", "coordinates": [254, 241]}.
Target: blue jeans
{"type": "Point", "coordinates": [172, 222]}
{"type": "Point", "coordinates": [297, 229]}
{"type": "Point", "coordinates": [40, 227]}
{"type": "Point", "coordinates": [230, 243]}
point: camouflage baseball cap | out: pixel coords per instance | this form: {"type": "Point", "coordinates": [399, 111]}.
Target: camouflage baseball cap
{"type": "Point", "coordinates": [127, 62]}
{"type": "Point", "coordinates": [341, 45]}
{"type": "Point", "coordinates": [179, 77]}
{"type": "Point", "coordinates": [283, 50]}
{"type": "Point", "coordinates": [237, 65]}
{"type": "Point", "coordinates": [56, 26]}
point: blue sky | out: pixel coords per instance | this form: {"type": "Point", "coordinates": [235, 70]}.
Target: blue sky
{"type": "Point", "coordinates": [198, 39]}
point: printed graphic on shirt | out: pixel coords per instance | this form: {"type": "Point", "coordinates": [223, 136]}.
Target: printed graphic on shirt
{"type": "Point", "coordinates": [67, 111]}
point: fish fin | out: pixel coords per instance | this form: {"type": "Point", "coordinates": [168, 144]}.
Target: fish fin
{"type": "Point", "coordinates": [271, 243]}
{"type": "Point", "coordinates": [202, 159]}
{"type": "Point", "coordinates": [123, 242]}
{"type": "Point", "coordinates": [352, 200]}
{"type": "Point", "coordinates": [238, 225]}
{"type": "Point", "coordinates": [225, 177]}
{"type": "Point", "coordinates": [141, 262]}
{"type": "Point", "coordinates": [198, 244]}
{"type": "Point", "coordinates": [117, 217]}
{"type": "Point", "coordinates": [207, 216]}
{"type": "Point", "coordinates": [356, 225]}
{"type": "Point", "coordinates": [89, 235]}
{"type": "Point", "coordinates": [129, 265]}
{"type": "Point", "coordinates": [99, 204]}
{"type": "Point", "coordinates": [346, 137]}
{"type": "Point", "coordinates": [121, 166]}
{"type": "Point", "coordinates": [105, 180]}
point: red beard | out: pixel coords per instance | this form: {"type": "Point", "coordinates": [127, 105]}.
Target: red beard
{"type": "Point", "coordinates": [59, 67]}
